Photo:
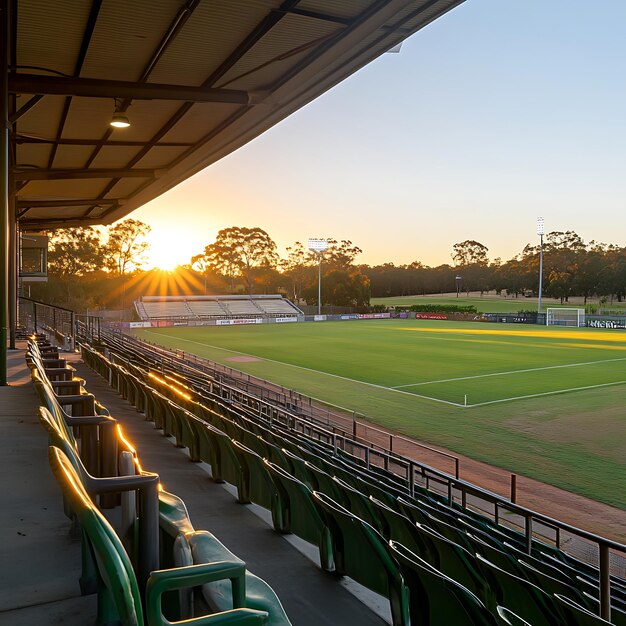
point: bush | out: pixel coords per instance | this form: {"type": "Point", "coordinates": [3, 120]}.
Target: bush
{"type": "Point", "coordinates": [439, 308]}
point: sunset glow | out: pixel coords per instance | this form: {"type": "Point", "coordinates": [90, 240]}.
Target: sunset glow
{"type": "Point", "coordinates": [171, 246]}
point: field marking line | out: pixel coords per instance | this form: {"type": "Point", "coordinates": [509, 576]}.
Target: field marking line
{"type": "Point", "coordinates": [547, 393]}
{"type": "Point", "coordinates": [532, 369]}
{"type": "Point", "coordinates": [308, 369]}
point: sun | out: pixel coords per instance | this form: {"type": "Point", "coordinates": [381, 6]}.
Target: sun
{"type": "Point", "coordinates": [167, 250]}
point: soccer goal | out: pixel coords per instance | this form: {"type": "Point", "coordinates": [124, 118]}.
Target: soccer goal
{"type": "Point", "coordinates": [565, 317]}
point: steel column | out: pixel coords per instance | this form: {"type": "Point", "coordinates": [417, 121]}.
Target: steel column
{"type": "Point", "coordinates": [12, 270]}
{"type": "Point", "coordinates": [4, 184]}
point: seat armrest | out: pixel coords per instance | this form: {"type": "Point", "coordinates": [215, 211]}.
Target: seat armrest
{"type": "Point", "coordinates": [162, 581]}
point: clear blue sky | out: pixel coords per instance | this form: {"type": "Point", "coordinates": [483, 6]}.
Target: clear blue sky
{"type": "Point", "coordinates": [498, 112]}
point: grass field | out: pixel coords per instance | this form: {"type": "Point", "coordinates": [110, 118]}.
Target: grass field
{"type": "Point", "coordinates": [544, 402]}
{"type": "Point", "coordinates": [488, 303]}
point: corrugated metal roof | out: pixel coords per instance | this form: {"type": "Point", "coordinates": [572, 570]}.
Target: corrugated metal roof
{"type": "Point", "coordinates": [271, 57]}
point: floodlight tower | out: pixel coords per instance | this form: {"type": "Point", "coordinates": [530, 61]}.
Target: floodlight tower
{"type": "Point", "coordinates": [540, 232]}
{"type": "Point", "coordinates": [318, 246]}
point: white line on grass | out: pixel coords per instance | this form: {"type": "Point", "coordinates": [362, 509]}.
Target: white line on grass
{"type": "Point", "coordinates": [308, 369]}
{"type": "Point", "coordinates": [547, 393]}
{"type": "Point", "coordinates": [534, 369]}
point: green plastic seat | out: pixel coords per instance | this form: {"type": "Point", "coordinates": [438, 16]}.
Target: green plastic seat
{"type": "Point", "coordinates": [554, 585]}
{"type": "Point", "coordinates": [508, 618]}
{"type": "Point", "coordinates": [364, 555]}
{"type": "Point", "coordinates": [257, 594]}
{"type": "Point", "coordinates": [521, 596]}
{"type": "Point", "coordinates": [298, 514]}
{"type": "Point", "coordinates": [436, 599]}
{"type": "Point", "coordinates": [457, 563]}
{"type": "Point", "coordinates": [401, 529]}
{"type": "Point", "coordinates": [360, 505]}
{"type": "Point", "coordinates": [118, 593]}
{"type": "Point", "coordinates": [298, 469]}
{"type": "Point", "coordinates": [577, 615]}
{"type": "Point", "coordinates": [228, 464]}
{"type": "Point", "coordinates": [255, 485]}
{"type": "Point", "coordinates": [504, 560]}
{"type": "Point", "coordinates": [324, 483]}
{"type": "Point", "coordinates": [413, 511]}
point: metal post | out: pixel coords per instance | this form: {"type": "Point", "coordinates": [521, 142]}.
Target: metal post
{"type": "Point", "coordinates": [319, 287]}
{"type": "Point", "coordinates": [4, 183]}
{"type": "Point", "coordinates": [529, 534]}
{"type": "Point", "coordinates": [12, 269]}
{"type": "Point", "coordinates": [513, 488]}
{"type": "Point", "coordinates": [73, 337]}
{"type": "Point", "coordinates": [605, 583]}
{"type": "Point", "coordinates": [540, 272]}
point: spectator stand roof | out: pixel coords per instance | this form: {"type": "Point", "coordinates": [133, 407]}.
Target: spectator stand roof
{"type": "Point", "coordinates": [197, 79]}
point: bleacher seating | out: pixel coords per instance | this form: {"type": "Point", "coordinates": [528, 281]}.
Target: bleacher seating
{"type": "Point", "coordinates": [213, 307]}
{"type": "Point", "coordinates": [242, 307]}
{"type": "Point", "coordinates": [133, 569]}
{"type": "Point", "coordinates": [160, 310]}
{"type": "Point", "coordinates": [445, 564]}
{"type": "Point", "coordinates": [276, 307]}
{"type": "Point", "coordinates": [207, 308]}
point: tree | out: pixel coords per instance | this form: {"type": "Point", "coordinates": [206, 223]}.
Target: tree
{"type": "Point", "coordinates": [469, 252]}
{"type": "Point", "coordinates": [297, 269]}
{"type": "Point", "coordinates": [340, 255]}
{"type": "Point", "coordinates": [238, 252]}
{"type": "Point", "coordinates": [74, 251]}
{"type": "Point", "coordinates": [126, 246]}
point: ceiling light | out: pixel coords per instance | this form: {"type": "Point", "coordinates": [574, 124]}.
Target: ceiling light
{"type": "Point", "coordinates": [119, 120]}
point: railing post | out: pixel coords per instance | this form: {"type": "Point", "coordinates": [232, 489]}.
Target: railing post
{"type": "Point", "coordinates": [456, 467]}
{"type": "Point", "coordinates": [529, 534]}
{"type": "Point", "coordinates": [605, 582]}
{"type": "Point", "coordinates": [513, 488]}
{"type": "Point", "coordinates": [73, 336]}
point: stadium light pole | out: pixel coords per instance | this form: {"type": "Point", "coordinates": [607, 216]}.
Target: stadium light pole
{"type": "Point", "coordinates": [540, 232]}
{"type": "Point", "coordinates": [318, 246]}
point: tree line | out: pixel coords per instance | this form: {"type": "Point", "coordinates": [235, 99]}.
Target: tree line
{"type": "Point", "coordinates": [91, 269]}
{"type": "Point", "coordinates": [570, 268]}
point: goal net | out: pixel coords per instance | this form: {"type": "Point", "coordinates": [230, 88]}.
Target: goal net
{"type": "Point", "coordinates": [565, 317]}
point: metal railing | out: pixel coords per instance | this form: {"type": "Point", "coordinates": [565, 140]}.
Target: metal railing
{"type": "Point", "coordinates": [536, 527]}
{"type": "Point", "coordinates": [63, 325]}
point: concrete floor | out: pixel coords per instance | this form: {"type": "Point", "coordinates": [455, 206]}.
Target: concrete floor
{"type": "Point", "coordinates": [40, 563]}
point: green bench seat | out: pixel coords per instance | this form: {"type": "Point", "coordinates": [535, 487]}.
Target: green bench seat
{"type": "Point", "coordinates": [119, 595]}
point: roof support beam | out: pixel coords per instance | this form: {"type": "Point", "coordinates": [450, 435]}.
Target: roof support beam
{"type": "Point", "coordinates": [318, 16]}
{"type": "Point", "coordinates": [20, 139]}
{"type": "Point", "coordinates": [94, 88]}
{"type": "Point", "coordinates": [59, 174]}
{"type": "Point", "coordinates": [44, 204]}
{"type": "Point", "coordinates": [27, 106]}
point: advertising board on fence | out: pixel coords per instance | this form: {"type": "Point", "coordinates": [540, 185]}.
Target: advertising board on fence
{"type": "Point", "coordinates": [351, 316]}
{"type": "Point", "coordinates": [284, 320]}
{"type": "Point", "coordinates": [319, 318]}
{"type": "Point", "coordinates": [251, 320]}
{"type": "Point", "coordinates": [617, 323]}
{"type": "Point", "coordinates": [373, 316]}
{"type": "Point", "coordinates": [154, 324]}
{"type": "Point", "coordinates": [431, 316]}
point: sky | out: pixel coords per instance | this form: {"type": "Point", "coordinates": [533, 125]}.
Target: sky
{"type": "Point", "coordinates": [496, 113]}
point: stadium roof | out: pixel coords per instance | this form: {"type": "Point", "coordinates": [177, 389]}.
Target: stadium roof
{"type": "Point", "coordinates": [196, 78]}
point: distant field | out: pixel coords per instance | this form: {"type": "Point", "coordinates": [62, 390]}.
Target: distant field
{"type": "Point", "coordinates": [544, 402]}
{"type": "Point", "coordinates": [485, 304]}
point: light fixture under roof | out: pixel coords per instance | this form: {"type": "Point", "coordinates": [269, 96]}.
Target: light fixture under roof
{"type": "Point", "coordinates": [119, 119]}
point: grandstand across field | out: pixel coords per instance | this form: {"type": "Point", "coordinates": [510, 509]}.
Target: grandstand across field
{"type": "Point", "coordinates": [215, 307]}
